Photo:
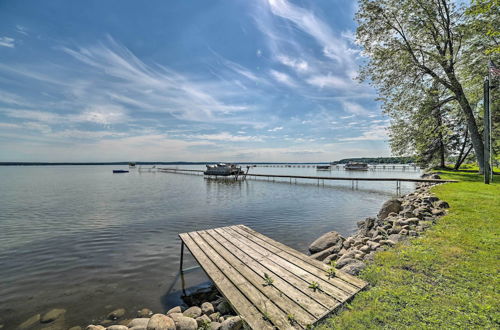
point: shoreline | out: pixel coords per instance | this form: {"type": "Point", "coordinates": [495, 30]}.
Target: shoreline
{"type": "Point", "coordinates": [398, 220]}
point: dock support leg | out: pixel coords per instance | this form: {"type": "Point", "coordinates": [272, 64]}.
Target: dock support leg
{"type": "Point", "coordinates": [182, 256]}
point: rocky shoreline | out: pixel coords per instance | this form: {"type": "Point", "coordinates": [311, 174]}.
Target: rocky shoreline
{"type": "Point", "coordinates": [398, 220]}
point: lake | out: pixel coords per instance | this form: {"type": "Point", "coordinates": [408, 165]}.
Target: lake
{"type": "Point", "coordinates": [87, 240]}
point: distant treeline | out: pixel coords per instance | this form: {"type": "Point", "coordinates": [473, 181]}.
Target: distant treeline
{"type": "Point", "coordinates": [379, 160]}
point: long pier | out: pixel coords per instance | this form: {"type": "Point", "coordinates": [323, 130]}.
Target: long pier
{"type": "Point", "coordinates": [322, 179]}
{"type": "Point", "coordinates": [372, 167]}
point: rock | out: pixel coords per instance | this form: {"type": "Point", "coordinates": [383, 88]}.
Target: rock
{"type": "Point", "coordinates": [224, 308]}
{"type": "Point", "coordinates": [107, 322]}
{"type": "Point", "coordinates": [116, 314]}
{"type": "Point", "coordinates": [175, 316]}
{"type": "Point", "coordinates": [394, 230]}
{"type": "Point", "coordinates": [193, 312]}
{"type": "Point", "coordinates": [365, 249]}
{"type": "Point", "coordinates": [392, 205]}
{"type": "Point", "coordinates": [203, 321]}
{"type": "Point", "coordinates": [214, 316]}
{"type": "Point", "coordinates": [138, 322]}
{"type": "Point", "coordinates": [354, 268]}
{"type": "Point", "coordinates": [145, 312]}
{"type": "Point", "coordinates": [347, 243]}
{"type": "Point", "coordinates": [329, 259]}
{"type": "Point", "coordinates": [215, 326]}
{"type": "Point", "coordinates": [373, 245]}
{"type": "Point", "coordinates": [52, 315]}
{"type": "Point", "coordinates": [341, 263]}
{"type": "Point", "coordinates": [77, 328]}
{"type": "Point", "coordinates": [378, 238]}
{"type": "Point", "coordinates": [437, 212]}
{"type": "Point", "coordinates": [186, 323]}
{"type": "Point", "coordinates": [207, 308]}
{"type": "Point", "coordinates": [395, 238]}
{"type": "Point", "coordinates": [412, 233]}
{"type": "Point", "coordinates": [403, 232]}
{"type": "Point", "coordinates": [95, 327]}
{"type": "Point", "coordinates": [161, 322]}
{"type": "Point", "coordinates": [441, 204]}
{"type": "Point", "coordinates": [117, 327]}
{"type": "Point", "coordinates": [29, 322]}
{"type": "Point", "coordinates": [329, 251]}
{"type": "Point", "coordinates": [233, 323]}
{"type": "Point", "coordinates": [325, 241]}
{"type": "Point", "coordinates": [176, 309]}
{"type": "Point", "coordinates": [370, 256]}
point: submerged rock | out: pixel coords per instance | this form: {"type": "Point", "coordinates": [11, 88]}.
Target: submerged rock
{"type": "Point", "coordinates": [29, 322]}
{"type": "Point", "coordinates": [325, 241]}
{"type": "Point", "coordinates": [52, 315]}
{"type": "Point", "coordinates": [116, 314]}
{"type": "Point", "coordinates": [145, 312]}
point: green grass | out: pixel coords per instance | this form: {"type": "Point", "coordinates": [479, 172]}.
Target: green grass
{"type": "Point", "coordinates": [446, 279]}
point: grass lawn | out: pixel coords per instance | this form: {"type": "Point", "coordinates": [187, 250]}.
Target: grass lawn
{"type": "Point", "coordinates": [446, 279]}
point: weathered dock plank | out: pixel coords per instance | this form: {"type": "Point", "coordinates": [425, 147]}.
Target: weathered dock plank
{"type": "Point", "coordinates": [238, 260]}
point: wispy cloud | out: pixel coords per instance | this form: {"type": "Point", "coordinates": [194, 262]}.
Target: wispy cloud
{"type": "Point", "coordinates": [226, 136]}
{"type": "Point", "coordinates": [22, 29]}
{"type": "Point", "coordinates": [299, 65]}
{"type": "Point", "coordinates": [372, 133]}
{"type": "Point", "coordinates": [7, 42]}
{"type": "Point", "coordinates": [283, 78]}
{"type": "Point", "coordinates": [276, 129]}
{"type": "Point", "coordinates": [329, 81]}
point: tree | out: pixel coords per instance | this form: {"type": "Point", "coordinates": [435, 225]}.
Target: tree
{"type": "Point", "coordinates": [408, 41]}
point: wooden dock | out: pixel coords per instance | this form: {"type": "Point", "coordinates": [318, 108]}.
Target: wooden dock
{"type": "Point", "coordinates": [238, 260]}
{"type": "Point", "coordinates": [318, 178]}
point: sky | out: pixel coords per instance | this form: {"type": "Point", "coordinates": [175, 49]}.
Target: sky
{"type": "Point", "coordinates": [197, 80]}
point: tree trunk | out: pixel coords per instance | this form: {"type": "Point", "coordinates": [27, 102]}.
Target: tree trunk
{"type": "Point", "coordinates": [459, 159]}
{"type": "Point", "coordinates": [476, 138]}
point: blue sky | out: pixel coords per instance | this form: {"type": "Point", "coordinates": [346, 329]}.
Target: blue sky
{"type": "Point", "coordinates": [234, 80]}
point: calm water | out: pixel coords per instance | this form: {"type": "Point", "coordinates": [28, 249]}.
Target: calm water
{"type": "Point", "coordinates": [84, 239]}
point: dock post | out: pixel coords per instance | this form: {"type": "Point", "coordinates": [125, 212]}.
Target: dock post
{"type": "Point", "coordinates": [182, 256]}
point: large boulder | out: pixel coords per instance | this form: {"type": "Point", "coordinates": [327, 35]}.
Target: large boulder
{"type": "Point", "coordinates": [325, 241]}
{"type": "Point", "coordinates": [392, 205]}
{"type": "Point", "coordinates": [161, 322]}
